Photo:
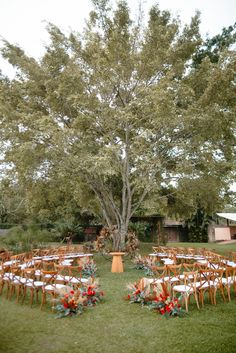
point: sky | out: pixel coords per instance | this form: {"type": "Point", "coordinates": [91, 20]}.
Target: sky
{"type": "Point", "coordinates": [23, 22]}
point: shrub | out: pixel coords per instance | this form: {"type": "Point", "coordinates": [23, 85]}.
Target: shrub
{"type": "Point", "coordinates": [26, 237]}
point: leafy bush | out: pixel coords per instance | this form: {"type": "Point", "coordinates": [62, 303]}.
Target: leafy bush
{"type": "Point", "coordinates": [68, 229]}
{"type": "Point", "coordinates": [26, 237]}
{"type": "Point", "coordinates": [142, 230]}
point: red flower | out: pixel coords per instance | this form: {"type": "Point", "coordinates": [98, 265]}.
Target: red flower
{"type": "Point", "coordinates": [66, 305]}
{"type": "Point", "coordinates": [167, 309]}
{"type": "Point", "coordinates": [72, 292]}
{"type": "Point", "coordinates": [128, 296]}
{"type": "Point", "coordinates": [162, 311]}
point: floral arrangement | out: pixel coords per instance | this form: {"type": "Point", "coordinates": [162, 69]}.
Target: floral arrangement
{"type": "Point", "coordinates": [137, 295]}
{"type": "Point", "coordinates": [144, 263]}
{"type": "Point", "coordinates": [89, 269]}
{"type": "Point", "coordinates": [69, 304]}
{"type": "Point", "coordinates": [73, 303]}
{"type": "Point", "coordinates": [155, 298]}
{"type": "Point", "coordinates": [139, 262]}
{"type": "Point", "coordinates": [91, 295]}
{"type": "Point", "coordinates": [167, 306]}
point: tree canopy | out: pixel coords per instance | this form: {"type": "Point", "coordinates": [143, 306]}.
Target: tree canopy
{"type": "Point", "coordinates": [121, 113]}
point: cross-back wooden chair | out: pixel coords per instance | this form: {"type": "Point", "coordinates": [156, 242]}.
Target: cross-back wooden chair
{"type": "Point", "coordinates": [205, 284]}
{"type": "Point", "coordinates": [159, 274]}
{"type": "Point", "coordinates": [229, 280]}
{"type": "Point", "coordinates": [188, 288]}
{"type": "Point", "coordinates": [217, 283]}
{"type": "Point", "coordinates": [50, 287]}
{"type": "Point", "coordinates": [10, 273]}
{"type": "Point", "coordinates": [174, 275]}
{"type": "Point", "coordinates": [72, 276]}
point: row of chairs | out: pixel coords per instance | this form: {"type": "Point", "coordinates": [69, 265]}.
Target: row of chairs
{"type": "Point", "coordinates": [34, 279]}
{"type": "Point", "coordinates": [195, 279]}
{"type": "Point", "coordinates": [6, 255]}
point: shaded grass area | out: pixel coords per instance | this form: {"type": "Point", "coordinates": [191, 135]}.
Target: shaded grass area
{"type": "Point", "coordinates": [117, 326]}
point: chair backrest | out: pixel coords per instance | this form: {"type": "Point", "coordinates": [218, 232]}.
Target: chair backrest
{"type": "Point", "coordinates": [47, 265]}
{"type": "Point", "coordinates": [174, 270]}
{"type": "Point", "coordinates": [159, 271]}
{"type": "Point", "coordinates": [187, 267]}
{"type": "Point", "coordinates": [49, 277]}
{"type": "Point", "coordinates": [29, 274]}
{"type": "Point", "coordinates": [70, 271]}
{"type": "Point", "coordinates": [191, 278]}
{"type": "Point", "coordinates": [230, 272]}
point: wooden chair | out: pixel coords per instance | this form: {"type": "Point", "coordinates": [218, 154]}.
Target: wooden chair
{"type": "Point", "coordinates": [159, 272]}
{"type": "Point", "coordinates": [188, 288]}
{"type": "Point", "coordinates": [217, 283]}
{"type": "Point", "coordinates": [229, 280]}
{"type": "Point", "coordinates": [204, 284]}
{"type": "Point", "coordinates": [50, 286]}
{"type": "Point", "coordinates": [31, 284]}
{"type": "Point", "coordinates": [71, 275]}
{"type": "Point", "coordinates": [20, 283]}
{"type": "Point", "coordinates": [8, 278]}
{"type": "Point", "coordinates": [174, 275]}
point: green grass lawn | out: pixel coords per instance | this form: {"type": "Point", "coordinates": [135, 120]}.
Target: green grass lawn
{"type": "Point", "coordinates": [117, 326]}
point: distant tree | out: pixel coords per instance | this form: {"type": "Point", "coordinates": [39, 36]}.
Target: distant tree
{"type": "Point", "coordinates": [120, 113]}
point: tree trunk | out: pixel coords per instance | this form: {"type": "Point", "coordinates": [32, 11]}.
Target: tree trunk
{"type": "Point", "coordinates": [118, 235]}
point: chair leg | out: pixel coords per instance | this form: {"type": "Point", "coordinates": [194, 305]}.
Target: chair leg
{"type": "Point", "coordinates": [11, 291]}
{"type": "Point", "coordinates": [31, 296]}
{"type": "Point", "coordinates": [186, 297]}
{"type": "Point", "coordinates": [18, 292]}
{"type": "Point", "coordinates": [24, 295]}
{"type": "Point", "coordinates": [43, 300]}
{"type": "Point", "coordinates": [196, 298]}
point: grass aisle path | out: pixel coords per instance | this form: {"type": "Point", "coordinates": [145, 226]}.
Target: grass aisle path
{"type": "Point", "coordinates": [117, 326]}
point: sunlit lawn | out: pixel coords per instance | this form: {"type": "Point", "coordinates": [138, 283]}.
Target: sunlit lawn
{"type": "Point", "coordinates": [117, 326]}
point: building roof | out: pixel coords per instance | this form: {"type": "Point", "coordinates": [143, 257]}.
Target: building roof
{"type": "Point", "coordinates": [230, 216]}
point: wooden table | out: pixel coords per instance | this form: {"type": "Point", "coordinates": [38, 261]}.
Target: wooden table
{"type": "Point", "coordinates": [117, 264]}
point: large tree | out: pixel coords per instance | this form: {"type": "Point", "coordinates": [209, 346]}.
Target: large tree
{"type": "Point", "coordinates": [121, 112]}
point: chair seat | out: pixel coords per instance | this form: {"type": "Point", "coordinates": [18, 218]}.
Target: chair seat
{"type": "Point", "coordinates": [60, 278]}
{"type": "Point", "coordinates": [182, 288]}
{"type": "Point", "coordinates": [227, 280]}
{"type": "Point", "coordinates": [35, 284]}
{"type": "Point", "coordinates": [8, 276]}
{"type": "Point", "coordinates": [22, 280]}
{"type": "Point", "coordinates": [158, 280]}
{"type": "Point", "coordinates": [204, 285]}
{"type": "Point", "coordinates": [38, 273]}
{"type": "Point", "coordinates": [174, 279]}
{"type": "Point", "coordinates": [53, 287]}
{"type": "Point", "coordinates": [75, 280]}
